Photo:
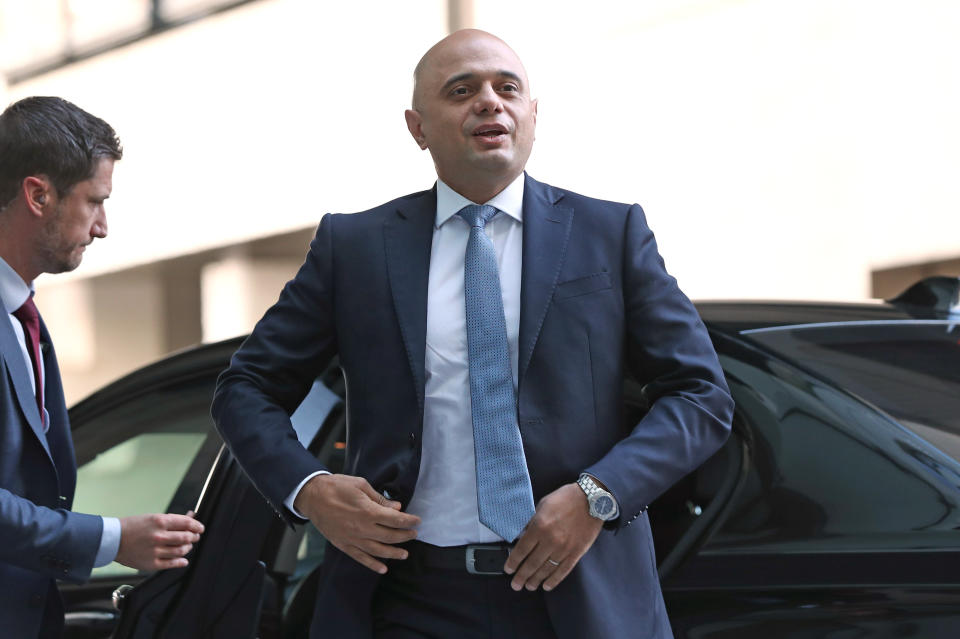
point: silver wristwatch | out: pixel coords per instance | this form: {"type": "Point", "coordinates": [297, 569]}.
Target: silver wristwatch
{"type": "Point", "coordinates": [602, 504]}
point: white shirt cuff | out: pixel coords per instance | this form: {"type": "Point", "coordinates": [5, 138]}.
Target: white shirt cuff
{"type": "Point", "coordinates": [288, 502]}
{"type": "Point", "coordinates": [109, 542]}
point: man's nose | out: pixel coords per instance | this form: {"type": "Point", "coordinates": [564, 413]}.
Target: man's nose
{"type": "Point", "coordinates": [99, 228]}
{"type": "Point", "coordinates": [488, 100]}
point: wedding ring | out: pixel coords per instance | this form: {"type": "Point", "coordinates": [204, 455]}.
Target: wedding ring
{"type": "Point", "coordinates": [552, 562]}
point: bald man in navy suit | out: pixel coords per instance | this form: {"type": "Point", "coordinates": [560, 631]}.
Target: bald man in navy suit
{"type": "Point", "coordinates": [585, 299]}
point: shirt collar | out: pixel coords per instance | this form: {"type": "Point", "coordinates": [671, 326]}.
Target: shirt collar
{"type": "Point", "coordinates": [13, 290]}
{"type": "Point", "coordinates": [509, 200]}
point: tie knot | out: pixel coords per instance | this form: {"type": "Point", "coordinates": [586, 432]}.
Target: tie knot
{"type": "Point", "coordinates": [477, 215]}
{"type": "Point", "coordinates": [27, 312]}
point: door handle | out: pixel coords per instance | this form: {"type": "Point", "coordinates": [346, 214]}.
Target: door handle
{"type": "Point", "coordinates": [96, 620]}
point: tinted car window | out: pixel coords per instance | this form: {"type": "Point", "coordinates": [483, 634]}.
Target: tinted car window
{"type": "Point", "coordinates": [910, 370]}
{"type": "Point", "coordinates": [137, 476]}
{"type": "Point", "coordinates": [143, 452]}
{"type": "Point", "coordinates": [825, 468]}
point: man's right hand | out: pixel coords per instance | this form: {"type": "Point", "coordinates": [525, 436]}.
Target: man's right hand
{"type": "Point", "coordinates": [356, 519]}
{"type": "Point", "coordinates": [157, 542]}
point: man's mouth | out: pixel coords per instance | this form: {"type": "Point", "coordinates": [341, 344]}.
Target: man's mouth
{"type": "Point", "coordinates": [490, 131]}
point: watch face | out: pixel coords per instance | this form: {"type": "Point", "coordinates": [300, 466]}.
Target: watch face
{"type": "Point", "coordinates": [603, 505]}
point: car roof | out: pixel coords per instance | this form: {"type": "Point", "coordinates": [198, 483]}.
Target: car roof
{"type": "Point", "coordinates": [932, 298]}
{"type": "Point", "coordinates": [201, 361]}
{"type": "Point", "coordinates": [737, 316]}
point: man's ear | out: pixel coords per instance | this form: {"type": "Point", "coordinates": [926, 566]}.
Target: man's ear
{"type": "Point", "coordinates": [415, 126]}
{"type": "Point", "coordinates": [536, 103]}
{"type": "Point", "coordinates": [38, 193]}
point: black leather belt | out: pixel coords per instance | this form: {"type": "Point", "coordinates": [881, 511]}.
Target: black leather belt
{"type": "Point", "coordinates": [476, 559]}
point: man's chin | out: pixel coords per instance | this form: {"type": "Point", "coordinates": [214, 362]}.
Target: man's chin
{"type": "Point", "coordinates": [495, 161]}
{"type": "Point", "coordinates": [65, 265]}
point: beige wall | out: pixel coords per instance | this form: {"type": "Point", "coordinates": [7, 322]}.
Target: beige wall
{"type": "Point", "coordinates": [252, 122]}
{"type": "Point", "coordinates": [781, 148]}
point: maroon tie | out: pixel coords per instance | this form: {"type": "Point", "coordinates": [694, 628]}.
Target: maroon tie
{"type": "Point", "coordinates": [30, 318]}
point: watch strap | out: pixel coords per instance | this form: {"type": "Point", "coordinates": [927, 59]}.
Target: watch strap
{"type": "Point", "coordinates": [593, 491]}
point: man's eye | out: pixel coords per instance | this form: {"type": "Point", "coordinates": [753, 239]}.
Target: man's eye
{"type": "Point", "coordinates": [459, 91]}
{"type": "Point", "coordinates": [510, 87]}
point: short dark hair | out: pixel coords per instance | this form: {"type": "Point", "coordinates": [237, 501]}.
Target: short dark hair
{"type": "Point", "coordinates": [53, 137]}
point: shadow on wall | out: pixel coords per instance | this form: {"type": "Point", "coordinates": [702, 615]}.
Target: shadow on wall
{"type": "Point", "coordinates": [889, 282]}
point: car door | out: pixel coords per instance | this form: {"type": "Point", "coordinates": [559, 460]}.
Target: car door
{"type": "Point", "coordinates": [842, 523]}
{"type": "Point", "coordinates": [250, 565]}
{"type": "Point", "coordinates": [144, 444]}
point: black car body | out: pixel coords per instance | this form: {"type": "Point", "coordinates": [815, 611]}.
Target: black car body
{"type": "Point", "coordinates": [832, 511]}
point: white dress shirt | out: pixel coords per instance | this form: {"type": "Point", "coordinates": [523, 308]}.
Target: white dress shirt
{"type": "Point", "coordinates": [13, 293]}
{"type": "Point", "coordinates": [446, 495]}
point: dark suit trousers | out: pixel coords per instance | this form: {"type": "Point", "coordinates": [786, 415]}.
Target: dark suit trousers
{"type": "Point", "coordinates": [414, 601]}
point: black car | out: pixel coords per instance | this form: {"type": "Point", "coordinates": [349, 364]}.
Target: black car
{"type": "Point", "coordinates": [832, 511]}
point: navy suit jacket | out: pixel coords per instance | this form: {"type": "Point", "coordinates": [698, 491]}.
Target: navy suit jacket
{"type": "Point", "coordinates": [40, 538]}
{"type": "Point", "coordinates": [595, 302]}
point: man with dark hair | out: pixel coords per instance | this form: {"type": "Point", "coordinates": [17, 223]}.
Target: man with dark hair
{"type": "Point", "coordinates": [56, 170]}
{"type": "Point", "coordinates": [484, 328]}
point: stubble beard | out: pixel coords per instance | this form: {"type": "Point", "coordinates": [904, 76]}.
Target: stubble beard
{"type": "Point", "coordinates": [52, 253]}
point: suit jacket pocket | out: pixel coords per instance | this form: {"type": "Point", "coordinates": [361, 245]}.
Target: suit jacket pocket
{"type": "Point", "coordinates": [583, 285]}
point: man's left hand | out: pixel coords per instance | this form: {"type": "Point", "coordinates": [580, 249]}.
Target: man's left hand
{"type": "Point", "coordinates": [560, 533]}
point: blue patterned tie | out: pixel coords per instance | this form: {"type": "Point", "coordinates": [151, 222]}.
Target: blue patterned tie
{"type": "Point", "coordinates": [504, 495]}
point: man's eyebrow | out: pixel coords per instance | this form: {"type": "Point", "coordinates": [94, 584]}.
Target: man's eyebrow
{"type": "Point", "coordinates": [460, 77]}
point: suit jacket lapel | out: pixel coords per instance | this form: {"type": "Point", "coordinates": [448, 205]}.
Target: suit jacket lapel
{"type": "Point", "coordinates": [546, 229]}
{"type": "Point", "coordinates": [19, 375]}
{"type": "Point", "coordinates": [408, 236]}
{"type": "Point", "coordinates": [58, 435]}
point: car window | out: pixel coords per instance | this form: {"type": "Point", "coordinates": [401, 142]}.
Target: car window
{"type": "Point", "coordinates": [139, 475]}
{"type": "Point", "coordinates": [144, 453]}
{"type": "Point", "coordinates": [824, 469]}
{"type": "Point", "coordinates": [911, 370]}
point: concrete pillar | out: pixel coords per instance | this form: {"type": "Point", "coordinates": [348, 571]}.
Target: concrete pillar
{"type": "Point", "coordinates": [103, 327]}
{"type": "Point", "coordinates": [236, 290]}
{"type": "Point", "coordinates": [460, 15]}
{"type": "Point", "coordinates": [181, 302]}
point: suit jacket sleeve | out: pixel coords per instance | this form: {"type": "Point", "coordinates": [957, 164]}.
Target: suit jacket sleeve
{"type": "Point", "coordinates": [670, 353]}
{"type": "Point", "coordinates": [55, 542]}
{"type": "Point", "coordinates": [272, 372]}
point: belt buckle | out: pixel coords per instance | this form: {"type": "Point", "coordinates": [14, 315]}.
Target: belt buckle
{"type": "Point", "coordinates": [471, 559]}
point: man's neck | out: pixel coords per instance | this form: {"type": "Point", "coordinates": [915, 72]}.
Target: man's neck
{"type": "Point", "coordinates": [16, 253]}
{"type": "Point", "coordinates": [479, 193]}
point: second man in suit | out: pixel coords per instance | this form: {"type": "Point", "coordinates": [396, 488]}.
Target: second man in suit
{"type": "Point", "coordinates": [56, 171]}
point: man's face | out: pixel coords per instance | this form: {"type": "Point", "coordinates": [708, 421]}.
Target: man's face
{"type": "Point", "coordinates": [473, 111]}
{"type": "Point", "coordinates": [76, 220]}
